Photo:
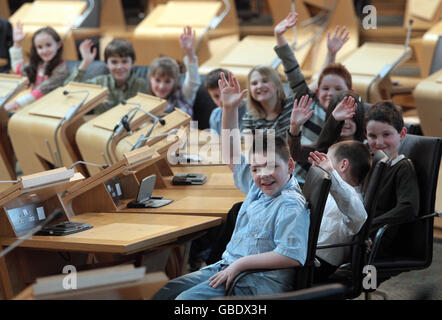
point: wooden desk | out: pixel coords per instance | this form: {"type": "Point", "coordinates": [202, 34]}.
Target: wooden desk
{"type": "Point", "coordinates": [116, 233]}
{"type": "Point", "coordinates": [428, 97]}
{"type": "Point", "coordinates": [32, 128]}
{"type": "Point", "coordinates": [189, 201]}
{"type": "Point", "coordinates": [158, 34]}
{"type": "Point", "coordinates": [218, 177]}
{"type": "Point", "coordinates": [375, 57]}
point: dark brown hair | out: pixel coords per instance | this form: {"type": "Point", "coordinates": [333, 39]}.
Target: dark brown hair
{"type": "Point", "coordinates": [387, 112]}
{"type": "Point", "coordinates": [213, 76]}
{"type": "Point", "coordinates": [358, 118]}
{"type": "Point", "coordinates": [261, 142]}
{"type": "Point", "coordinates": [119, 47]}
{"type": "Point", "coordinates": [357, 154]}
{"type": "Point", "coordinates": [35, 60]}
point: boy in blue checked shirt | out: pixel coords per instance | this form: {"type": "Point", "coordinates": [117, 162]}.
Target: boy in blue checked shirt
{"type": "Point", "coordinates": [271, 231]}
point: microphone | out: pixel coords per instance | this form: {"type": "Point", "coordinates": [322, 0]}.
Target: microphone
{"type": "Point", "coordinates": [103, 166]}
{"type": "Point", "coordinates": [142, 138]}
{"type": "Point", "coordinates": [56, 214]}
{"type": "Point", "coordinates": [139, 108]}
{"type": "Point", "coordinates": [71, 112]}
{"type": "Point", "coordinates": [5, 98]}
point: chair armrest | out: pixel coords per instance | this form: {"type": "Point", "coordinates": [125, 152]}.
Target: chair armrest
{"type": "Point", "coordinates": [229, 290]}
{"type": "Point", "coordinates": [337, 245]}
{"type": "Point", "coordinates": [381, 231]}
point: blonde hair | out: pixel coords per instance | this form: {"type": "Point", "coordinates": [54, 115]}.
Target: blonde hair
{"type": "Point", "coordinates": [161, 67]}
{"type": "Point", "coordinates": [254, 108]}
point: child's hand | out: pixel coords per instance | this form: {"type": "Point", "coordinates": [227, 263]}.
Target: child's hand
{"type": "Point", "coordinates": [346, 109]}
{"type": "Point", "coordinates": [227, 275]}
{"type": "Point", "coordinates": [17, 34]}
{"type": "Point", "coordinates": [187, 39]}
{"type": "Point", "coordinates": [286, 24]}
{"type": "Point", "coordinates": [300, 114]}
{"type": "Point", "coordinates": [319, 159]}
{"type": "Point", "coordinates": [88, 53]}
{"type": "Point", "coordinates": [335, 43]}
{"type": "Point", "coordinates": [12, 106]}
{"type": "Point", "coordinates": [231, 94]}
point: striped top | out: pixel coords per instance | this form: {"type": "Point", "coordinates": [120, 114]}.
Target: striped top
{"type": "Point", "coordinates": [312, 128]}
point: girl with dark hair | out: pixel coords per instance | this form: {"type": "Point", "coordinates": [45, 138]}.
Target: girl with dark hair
{"type": "Point", "coordinates": [46, 69]}
{"type": "Point", "coordinates": [344, 121]}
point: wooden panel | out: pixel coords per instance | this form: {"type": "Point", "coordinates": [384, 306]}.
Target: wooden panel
{"type": "Point", "coordinates": [179, 14]}
{"type": "Point", "coordinates": [117, 239]}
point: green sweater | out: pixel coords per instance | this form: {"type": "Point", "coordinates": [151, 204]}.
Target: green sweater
{"type": "Point", "coordinates": [133, 85]}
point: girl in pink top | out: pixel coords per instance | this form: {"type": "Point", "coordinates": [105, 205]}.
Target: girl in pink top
{"type": "Point", "coordinates": [46, 69]}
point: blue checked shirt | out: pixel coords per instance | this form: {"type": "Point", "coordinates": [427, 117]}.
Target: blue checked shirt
{"type": "Point", "coordinates": [278, 223]}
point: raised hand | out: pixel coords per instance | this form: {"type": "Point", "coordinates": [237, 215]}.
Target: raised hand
{"type": "Point", "coordinates": [18, 35]}
{"type": "Point", "coordinates": [300, 114]}
{"type": "Point", "coordinates": [231, 94]}
{"type": "Point", "coordinates": [187, 39]}
{"type": "Point", "coordinates": [12, 106]}
{"type": "Point", "coordinates": [335, 43]}
{"type": "Point", "coordinates": [286, 24]}
{"type": "Point", "coordinates": [319, 159]}
{"type": "Point", "coordinates": [88, 53]}
{"type": "Point", "coordinates": [346, 109]}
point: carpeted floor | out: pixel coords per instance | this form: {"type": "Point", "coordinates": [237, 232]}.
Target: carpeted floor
{"type": "Point", "coordinates": [423, 284]}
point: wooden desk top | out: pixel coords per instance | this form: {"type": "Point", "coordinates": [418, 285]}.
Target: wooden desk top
{"type": "Point", "coordinates": [218, 177]}
{"type": "Point", "coordinates": [191, 201]}
{"type": "Point", "coordinates": [122, 233]}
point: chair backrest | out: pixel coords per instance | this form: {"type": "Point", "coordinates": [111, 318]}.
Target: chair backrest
{"type": "Point", "coordinates": [316, 189]}
{"type": "Point", "coordinates": [358, 252]}
{"type": "Point", "coordinates": [425, 153]}
{"type": "Point", "coordinates": [417, 238]}
{"type": "Point", "coordinates": [436, 63]}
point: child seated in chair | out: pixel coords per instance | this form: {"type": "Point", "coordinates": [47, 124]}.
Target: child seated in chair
{"type": "Point", "coordinates": [272, 228]}
{"type": "Point", "coordinates": [348, 162]}
{"type": "Point", "coordinates": [398, 199]}
{"type": "Point", "coordinates": [122, 82]}
{"type": "Point", "coordinates": [212, 88]}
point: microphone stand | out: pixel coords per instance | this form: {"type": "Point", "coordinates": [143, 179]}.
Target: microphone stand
{"type": "Point", "coordinates": [68, 116]}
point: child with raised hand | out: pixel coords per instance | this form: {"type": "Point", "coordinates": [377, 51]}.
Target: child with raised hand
{"type": "Point", "coordinates": [269, 108]}
{"type": "Point", "coordinates": [348, 162]}
{"type": "Point", "coordinates": [271, 230]}
{"type": "Point", "coordinates": [345, 121]}
{"type": "Point", "coordinates": [46, 69]}
{"type": "Point", "coordinates": [398, 197]}
{"type": "Point", "coordinates": [212, 88]}
{"type": "Point", "coordinates": [164, 81]}
{"type": "Point", "coordinates": [122, 82]}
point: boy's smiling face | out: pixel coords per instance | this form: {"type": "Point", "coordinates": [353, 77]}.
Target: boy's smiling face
{"type": "Point", "coordinates": [270, 173]}
{"type": "Point", "coordinates": [120, 68]}
{"type": "Point", "coordinates": [383, 136]}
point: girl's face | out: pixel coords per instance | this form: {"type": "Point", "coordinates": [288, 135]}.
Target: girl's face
{"type": "Point", "coordinates": [330, 86]}
{"type": "Point", "coordinates": [262, 89]}
{"type": "Point", "coordinates": [46, 46]}
{"type": "Point", "coordinates": [161, 86]}
{"type": "Point", "coordinates": [348, 130]}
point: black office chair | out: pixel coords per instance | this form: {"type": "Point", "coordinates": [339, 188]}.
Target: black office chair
{"type": "Point", "coordinates": [350, 274]}
{"type": "Point", "coordinates": [315, 190]}
{"type": "Point", "coordinates": [416, 236]}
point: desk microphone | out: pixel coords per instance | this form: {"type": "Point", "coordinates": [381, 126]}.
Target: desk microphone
{"type": "Point", "coordinates": [56, 214]}
{"type": "Point", "coordinates": [71, 112]}
{"type": "Point", "coordinates": [5, 98]}
{"type": "Point", "coordinates": [102, 166]}
{"type": "Point", "coordinates": [139, 108]}
{"type": "Point", "coordinates": [142, 138]}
